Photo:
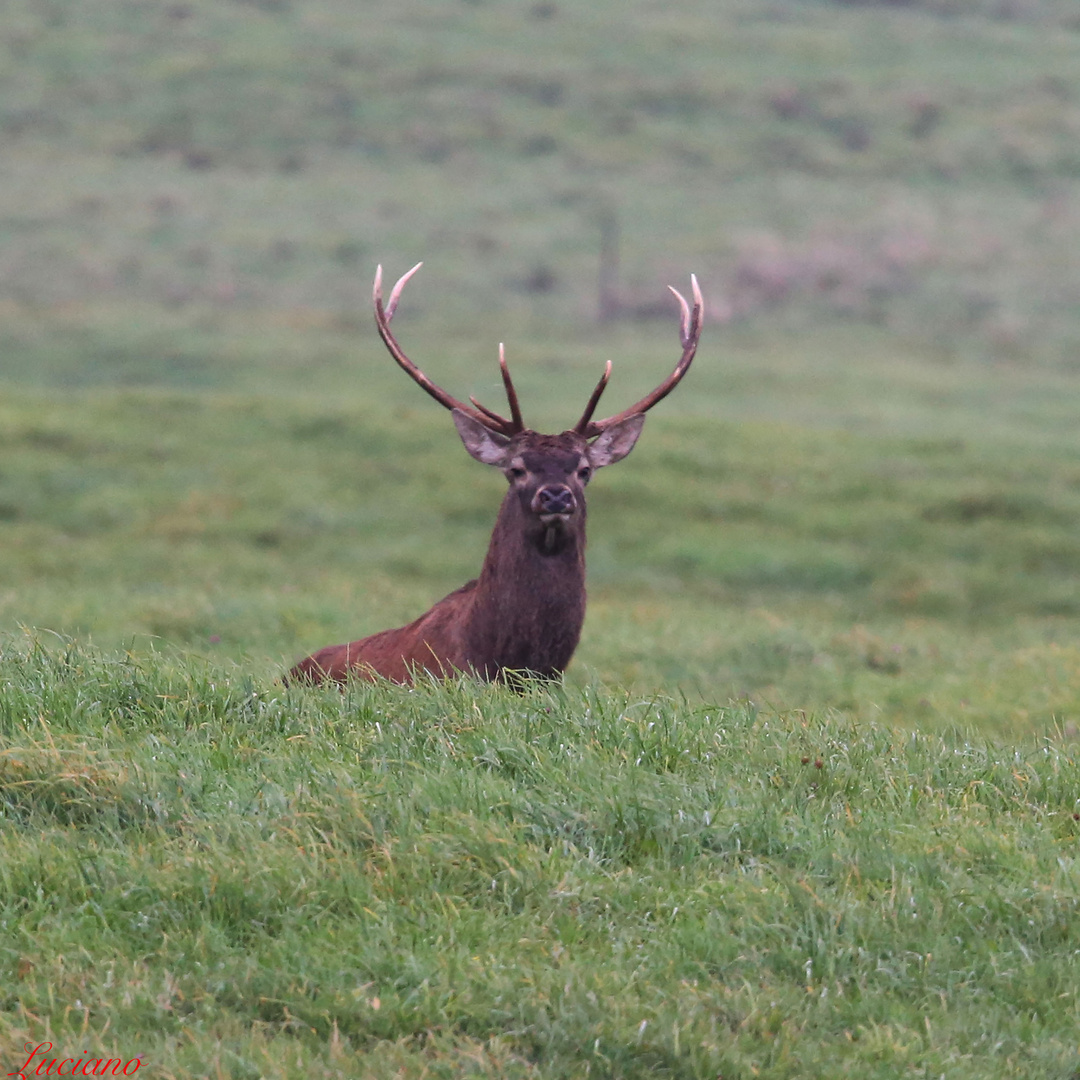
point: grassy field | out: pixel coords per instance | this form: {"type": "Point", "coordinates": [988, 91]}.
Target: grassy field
{"type": "Point", "coordinates": [807, 804]}
{"type": "Point", "coordinates": [897, 542]}
{"type": "Point", "coordinates": [228, 880]}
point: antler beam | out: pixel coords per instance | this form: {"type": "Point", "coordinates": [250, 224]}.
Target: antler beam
{"type": "Point", "coordinates": [483, 415]}
{"type": "Point", "coordinates": [689, 334]}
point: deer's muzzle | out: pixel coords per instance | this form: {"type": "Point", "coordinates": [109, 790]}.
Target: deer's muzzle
{"type": "Point", "coordinates": [554, 500]}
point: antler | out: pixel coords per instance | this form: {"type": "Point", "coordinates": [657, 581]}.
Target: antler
{"type": "Point", "coordinates": [689, 334]}
{"type": "Point", "coordinates": [482, 414]}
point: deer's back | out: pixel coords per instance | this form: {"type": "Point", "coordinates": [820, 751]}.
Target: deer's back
{"type": "Point", "coordinates": [432, 643]}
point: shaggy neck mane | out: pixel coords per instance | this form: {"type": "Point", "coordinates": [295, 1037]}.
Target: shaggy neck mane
{"type": "Point", "coordinates": [529, 603]}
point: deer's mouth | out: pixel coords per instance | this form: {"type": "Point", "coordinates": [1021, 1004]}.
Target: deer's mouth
{"type": "Point", "coordinates": [556, 519]}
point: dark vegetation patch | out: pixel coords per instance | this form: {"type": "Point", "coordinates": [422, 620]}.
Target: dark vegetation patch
{"type": "Point", "coordinates": [1000, 507]}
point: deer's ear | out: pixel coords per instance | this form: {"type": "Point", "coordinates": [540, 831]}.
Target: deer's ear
{"type": "Point", "coordinates": [616, 442]}
{"type": "Point", "coordinates": [483, 444]}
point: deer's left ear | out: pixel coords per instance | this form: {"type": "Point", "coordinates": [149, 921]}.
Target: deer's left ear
{"type": "Point", "coordinates": [483, 444]}
{"type": "Point", "coordinates": [616, 442]}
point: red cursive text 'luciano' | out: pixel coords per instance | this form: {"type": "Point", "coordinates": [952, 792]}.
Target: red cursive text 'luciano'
{"type": "Point", "coordinates": [84, 1066]}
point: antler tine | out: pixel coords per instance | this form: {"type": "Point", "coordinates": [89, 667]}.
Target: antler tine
{"type": "Point", "coordinates": [684, 325]}
{"type": "Point", "coordinates": [511, 393]}
{"type": "Point", "coordinates": [698, 300]}
{"type": "Point", "coordinates": [383, 315]}
{"type": "Point", "coordinates": [689, 334]}
{"type": "Point", "coordinates": [490, 413]}
{"type": "Point", "coordinates": [590, 408]}
{"type": "Point", "coordinates": [395, 292]}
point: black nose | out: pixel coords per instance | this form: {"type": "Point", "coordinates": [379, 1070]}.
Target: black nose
{"type": "Point", "coordinates": [555, 499]}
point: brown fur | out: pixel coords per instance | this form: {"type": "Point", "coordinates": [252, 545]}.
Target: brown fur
{"type": "Point", "coordinates": [525, 611]}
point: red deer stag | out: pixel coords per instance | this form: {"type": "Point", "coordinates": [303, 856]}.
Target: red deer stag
{"type": "Point", "coordinates": [524, 613]}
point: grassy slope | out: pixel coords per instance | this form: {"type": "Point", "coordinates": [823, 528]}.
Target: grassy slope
{"type": "Point", "coordinates": [840, 529]}
{"type": "Point", "coordinates": [453, 881]}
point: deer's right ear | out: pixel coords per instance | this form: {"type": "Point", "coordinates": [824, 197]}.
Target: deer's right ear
{"type": "Point", "coordinates": [482, 443]}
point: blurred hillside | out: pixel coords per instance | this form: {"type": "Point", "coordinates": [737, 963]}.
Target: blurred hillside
{"type": "Point", "coordinates": [913, 165]}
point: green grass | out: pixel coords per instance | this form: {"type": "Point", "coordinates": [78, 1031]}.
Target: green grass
{"type": "Point", "coordinates": [793, 530]}
{"type": "Point", "coordinates": [228, 879]}
{"type": "Point", "coordinates": [869, 567]}
{"type": "Point", "coordinates": [806, 805]}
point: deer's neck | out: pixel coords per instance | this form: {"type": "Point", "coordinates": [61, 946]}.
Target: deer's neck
{"type": "Point", "coordinates": [529, 603]}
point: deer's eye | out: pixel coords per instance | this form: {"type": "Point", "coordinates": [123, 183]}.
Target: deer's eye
{"type": "Point", "coordinates": [516, 471]}
{"type": "Point", "coordinates": [584, 473]}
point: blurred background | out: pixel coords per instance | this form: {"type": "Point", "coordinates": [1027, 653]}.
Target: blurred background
{"type": "Point", "coordinates": [204, 446]}
{"type": "Point", "coordinates": [906, 164]}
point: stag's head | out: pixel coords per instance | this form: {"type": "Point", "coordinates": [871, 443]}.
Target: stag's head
{"type": "Point", "coordinates": [547, 473]}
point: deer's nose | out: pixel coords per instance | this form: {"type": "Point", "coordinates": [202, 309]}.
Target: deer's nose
{"type": "Point", "coordinates": [555, 499]}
